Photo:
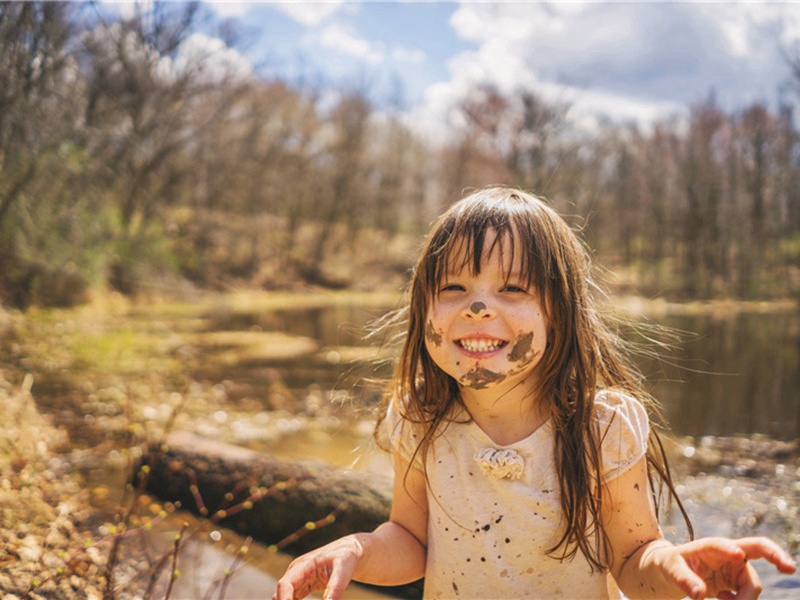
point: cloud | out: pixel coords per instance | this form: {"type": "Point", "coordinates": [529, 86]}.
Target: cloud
{"type": "Point", "coordinates": [212, 59]}
{"type": "Point", "coordinates": [630, 60]}
{"type": "Point", "coordinates": [411, 56]}
{"type": "Point", "coordinates": [309, 13]}
{"type": "Point", "coordinates": [230, 8]}
{"type": "Point", "coordinates": [341, 39]}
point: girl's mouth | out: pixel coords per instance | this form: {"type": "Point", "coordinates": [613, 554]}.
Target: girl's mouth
{"type": "Point", "coordinates": [481, 345]}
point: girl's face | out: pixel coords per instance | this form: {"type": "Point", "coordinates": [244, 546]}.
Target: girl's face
{"type": "Point", "coordinates": [487, 329]}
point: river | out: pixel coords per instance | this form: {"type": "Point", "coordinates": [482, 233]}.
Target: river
{"type": "Point", "coordinates": [295, 381]}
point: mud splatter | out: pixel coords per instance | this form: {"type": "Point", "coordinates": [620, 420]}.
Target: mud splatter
{"type": "Point", "coordinates": [477, 307]}
{"type": "Point", "coordinates": [479, 378]}
{"type": "Point", "coordinates": [432, 335]}
{"type": "Point", "coordinates": [522, 346]}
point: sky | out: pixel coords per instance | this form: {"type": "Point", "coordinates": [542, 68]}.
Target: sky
{"type": "Point", "coordinates": [624, 61]}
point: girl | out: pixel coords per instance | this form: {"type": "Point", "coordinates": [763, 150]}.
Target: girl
{"type": "Point", "coordinates": [520, 445]}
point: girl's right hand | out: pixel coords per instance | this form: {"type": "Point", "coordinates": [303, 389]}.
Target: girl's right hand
{"type": "Point", "coordinates": [329, 568]}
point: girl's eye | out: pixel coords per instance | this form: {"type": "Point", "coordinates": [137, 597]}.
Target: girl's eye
{"type": "Point", "coordinates": [453, 287]}
{"type": "Point", "coordinates": [515, 289]}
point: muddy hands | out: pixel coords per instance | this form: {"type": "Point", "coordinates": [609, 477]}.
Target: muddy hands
{"type": "Point", "coordinates": [720, 568]}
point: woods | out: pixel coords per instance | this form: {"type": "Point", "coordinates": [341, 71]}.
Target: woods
{"type": "Point", "coordinates": [136, 152]}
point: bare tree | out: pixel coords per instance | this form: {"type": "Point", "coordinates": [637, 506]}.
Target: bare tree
{"type": "Point", "coordinates": [36, 79]}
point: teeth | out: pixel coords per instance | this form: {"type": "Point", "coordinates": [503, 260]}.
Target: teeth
{"type": "Point", "coordinates": [481, 345]}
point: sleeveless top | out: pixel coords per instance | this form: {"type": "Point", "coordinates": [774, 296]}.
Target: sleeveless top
{"type": "Point", "coordinates": [494, 511]}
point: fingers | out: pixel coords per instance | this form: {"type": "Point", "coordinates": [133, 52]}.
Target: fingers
{"type": "Point", "coordinates": [303, 577]}
{"type": "Point", "coordinates": [682, 575]}
{"type": "Point", "coordinates": [283, 591]}
{"type": "Point", "coordinates": [337, 584]}
{"type": "Point", "coordinates": [688, 581]}
{"type": "Point", "coordinates": [763, 547]}
{"type": "Point", "coordinates": [749, 584]}
{"type": "Point", "coordinates": [715, 550]}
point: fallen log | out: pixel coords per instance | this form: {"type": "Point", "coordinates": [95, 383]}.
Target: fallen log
{"type": "Point", "coordinates": [296, 505]}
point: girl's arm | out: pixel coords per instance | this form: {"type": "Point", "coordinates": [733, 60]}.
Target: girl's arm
{"type": "Point", "coordinates": [645, 565]}
{"type": "Point", "coordinates": [393, 554]}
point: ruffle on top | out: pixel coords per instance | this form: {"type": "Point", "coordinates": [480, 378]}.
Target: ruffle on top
{"type": "Point", "coordinates": [624, 429]}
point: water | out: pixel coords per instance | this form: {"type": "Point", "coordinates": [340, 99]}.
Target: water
{"type": "Point", "coordinates": [735, 375]}
{"type": "Point", "coordinates": [292, 383]}
{"type": "Point", "coordinates": [738, 374]}
{"type": "Point", "coordinates": [731, 375]}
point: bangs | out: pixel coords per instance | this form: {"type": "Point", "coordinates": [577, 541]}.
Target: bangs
{"type": "Point", "coordinates": [463, 240]}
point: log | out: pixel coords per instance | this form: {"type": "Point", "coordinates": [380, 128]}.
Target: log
{"type": "Point", "coordinates": [207, 476]}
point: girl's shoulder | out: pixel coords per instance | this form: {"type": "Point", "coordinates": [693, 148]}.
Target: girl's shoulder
{"type": "Point", "coordinates": [403, 433]}
{"type": "Point", "coordinates": [610, 404]}
{"type": "Point", "coordinates": [623, 427]}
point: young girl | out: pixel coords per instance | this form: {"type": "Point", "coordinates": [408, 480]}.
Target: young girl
{"type": "Point", "coordinates": [520, 445]}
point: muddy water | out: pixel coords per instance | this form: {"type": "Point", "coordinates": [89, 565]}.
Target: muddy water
{"type": "Point", "coordinates": [731, 375]}
{"type": "Point", "coordinates": [738, 374]}
{"type": "Point", "coordinates": [292, 382]}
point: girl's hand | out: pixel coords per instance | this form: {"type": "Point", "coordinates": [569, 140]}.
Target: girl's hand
{"type": "Point", "coordinates": [718, 567]}
{"type": "Point", "coordinates": [328, 568]}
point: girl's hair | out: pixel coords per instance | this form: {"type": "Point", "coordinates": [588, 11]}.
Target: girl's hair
{"type": "Point", "coordinates": [584, 352]}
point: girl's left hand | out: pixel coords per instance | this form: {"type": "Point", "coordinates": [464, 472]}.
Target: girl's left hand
{"type": "Point", "coordinates": [717, 567]}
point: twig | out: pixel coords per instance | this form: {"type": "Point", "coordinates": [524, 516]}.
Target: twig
{"type": "Point", "coordinates": [155, 573]}
{"type": "Point", "coordinates": [195, 490]}
{"type": "Point", "coordinates": [174, 569]}
{"type": "Point", "coordinates": [255, 496]}
{"type": "Point", "coordinates": [234, 566]}
{"type": "Point", "coordinates": [308, 527]}
{"type": "Point", "coordinates": [113, 555]}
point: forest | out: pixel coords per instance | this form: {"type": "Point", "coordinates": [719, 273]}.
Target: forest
{"type": "Point", "coordinates": [132, 161]}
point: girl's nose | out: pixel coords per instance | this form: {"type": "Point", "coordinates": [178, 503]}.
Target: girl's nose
{"type": "Point", "coordinates": [477, 310]}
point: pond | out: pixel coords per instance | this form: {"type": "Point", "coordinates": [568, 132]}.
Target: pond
{"type": "Point", "coordinates": [734, 374]}
{"type": "Point", "coordinates": [299, 382]}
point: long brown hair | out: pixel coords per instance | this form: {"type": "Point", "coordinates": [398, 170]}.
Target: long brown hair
{"type": "Point", "coordinates": [584, 354]}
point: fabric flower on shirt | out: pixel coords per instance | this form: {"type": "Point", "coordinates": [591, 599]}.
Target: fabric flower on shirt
{"type": "Point", "coordinates": [503, 464]}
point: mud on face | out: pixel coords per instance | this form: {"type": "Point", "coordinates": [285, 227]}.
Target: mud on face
{"type": "Point", "coordinates": [521, 348]}
{"type": "Point", "coordinates": [434, 337]}
{"type": "Point", "coordinates": [480, 378]}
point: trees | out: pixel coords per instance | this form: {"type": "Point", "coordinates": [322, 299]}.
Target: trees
{"type": "Point", "coordinates": [130, 146]}
{"type": "Point", "coordinates": [38, 159]}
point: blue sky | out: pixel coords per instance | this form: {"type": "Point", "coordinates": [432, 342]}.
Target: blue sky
{"type": "Point", "coordinates": [377, 45]}
{"type": "Point", "coordinates": [621, 60]}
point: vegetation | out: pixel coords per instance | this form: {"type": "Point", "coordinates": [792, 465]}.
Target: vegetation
{"type": "Point", "coordinates": [133, 156]}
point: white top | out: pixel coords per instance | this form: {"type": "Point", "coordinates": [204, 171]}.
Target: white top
{"type": "Point", "coordinates": [495, 510]}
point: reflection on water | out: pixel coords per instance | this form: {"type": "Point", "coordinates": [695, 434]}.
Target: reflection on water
{"type": "Point", "coordinates": [739, 374]}
{"type": "Point", "coordinates": [736, 375]}
{"type": "Point", "coordinates": [344, 359]}
{"type": "Point", "coordinates": [729, 376]}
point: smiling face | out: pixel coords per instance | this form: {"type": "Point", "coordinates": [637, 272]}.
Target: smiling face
{"type": "Point", "coordinates": [487, 327]}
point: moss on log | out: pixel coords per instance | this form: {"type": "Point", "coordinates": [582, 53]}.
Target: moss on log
{"type": "Point", "coordinates": [286, 496]}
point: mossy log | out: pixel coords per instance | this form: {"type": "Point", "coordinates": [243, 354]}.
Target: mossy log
{"type": "Point", "coordinates": [268, 498]}
{"type": "Point", "coordinates": [271, 499]}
